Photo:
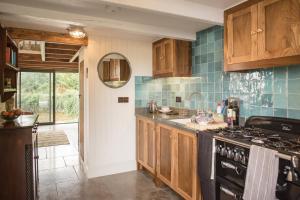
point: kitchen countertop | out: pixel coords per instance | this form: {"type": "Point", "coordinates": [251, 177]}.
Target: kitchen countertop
{"type": "Point", "coordinates": [165, 119]}
{"type": "Point", "coordinates": [23, 121]}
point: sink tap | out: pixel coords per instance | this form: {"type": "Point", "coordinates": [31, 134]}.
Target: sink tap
{"type": "Point", "coordinates": [195, 94]}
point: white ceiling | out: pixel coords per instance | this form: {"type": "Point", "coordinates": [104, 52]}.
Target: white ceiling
{"type": "Point", "coordinates": [154, 18]}
{"type": "Point", "coordinates": [223, 4]}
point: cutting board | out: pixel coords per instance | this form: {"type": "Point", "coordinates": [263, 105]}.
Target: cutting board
{"type": "Point", "coordinates": [214, 125]}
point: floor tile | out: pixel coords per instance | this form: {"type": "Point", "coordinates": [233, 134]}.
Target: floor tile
{"type": "Point", "coordinates": [51, 163]}
{"type": "Point", "coordinates": [59, 175]}
{"type": "Point", "coordinates": [72, 160]}
{"type": "Point", "coordinates": [60, 151]}
{"type": "Point", "coordinates": [62, 177]}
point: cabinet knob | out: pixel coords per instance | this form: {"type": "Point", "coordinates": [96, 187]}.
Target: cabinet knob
{"type": "Point", "coordinates": [259, 30]}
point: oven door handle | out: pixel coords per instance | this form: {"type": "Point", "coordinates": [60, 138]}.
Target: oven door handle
{"type": "Point", "coordinates": [228, 192]}
{"type": "Point", "coordinates": [230, 166]}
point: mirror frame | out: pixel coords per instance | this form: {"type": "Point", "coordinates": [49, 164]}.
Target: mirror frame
{"type": "Point", "coordinates": [98, 67]}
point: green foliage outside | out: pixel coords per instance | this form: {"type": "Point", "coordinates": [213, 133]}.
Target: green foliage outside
{"type": "Point", "coordinates": [67, 90]}
{"type": "Point", "coordinates": [35, 90]}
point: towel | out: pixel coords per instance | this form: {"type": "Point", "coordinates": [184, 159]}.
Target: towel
{"type": "Point", "coordinates": [262, 173]}
{"type": "Point", "coordinates": [206, 165]}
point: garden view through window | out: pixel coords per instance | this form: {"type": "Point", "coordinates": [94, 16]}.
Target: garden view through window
{"type": "Point", "coordinates": [52, 95]}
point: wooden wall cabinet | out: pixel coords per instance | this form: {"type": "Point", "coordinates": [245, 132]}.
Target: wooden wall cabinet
{"type": "Point", "coordinates": [262, 33]}
{"type": "Point", "coordinates": [172, 58]}
{"type": "Point", "coordinates": [146, 149]}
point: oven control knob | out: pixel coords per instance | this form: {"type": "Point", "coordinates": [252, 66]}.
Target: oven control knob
{"type": "Point", "coordinates": [230, 153]}
{"type": "Point", "coordinates": [223, 151]}
{"type": "Point", "coordinates": [218, 149]}
{"type": "Point", "coordinates": [237, 156]}
{"type": "Point", "coordinates": [243, 158]}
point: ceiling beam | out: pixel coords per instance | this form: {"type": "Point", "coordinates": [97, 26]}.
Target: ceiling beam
{"type": "Point", "coordinates": [60, 56]}
{"type": "Point", "coordinates": [37, 35]}
{"type": "Point", "coordinates": [43, 51]}
{"type": "Point", "coordinates": [62, 46]}
{"type": "Point", "coordinates": [29, 57]}
{"type": "Point", "coordinates": [76, 55]}
{"type": "Point", "coordinates": [60, 51]}
{"type": "Point", "coordinates": [58, 59]}
{"type": "Point", "coordinates": [47, 64]}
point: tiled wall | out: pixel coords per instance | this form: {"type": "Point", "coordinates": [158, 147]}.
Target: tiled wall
{"type": "Point", "coordinates": [273, 91]}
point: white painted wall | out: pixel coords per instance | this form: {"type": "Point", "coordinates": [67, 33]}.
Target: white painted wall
{"type": "Point", "coordinates": [110, 126]}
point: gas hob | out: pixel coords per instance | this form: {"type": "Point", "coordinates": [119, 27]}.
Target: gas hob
{"type": "Point", "coordinates": [282, 142]}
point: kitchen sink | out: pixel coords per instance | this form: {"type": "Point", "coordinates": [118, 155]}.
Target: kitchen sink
{"type": "Point", "coordinates": [181, 121]}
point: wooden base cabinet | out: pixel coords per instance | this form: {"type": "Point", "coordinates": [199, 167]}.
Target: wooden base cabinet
{"type": "Point", "coordinates": [186, 164]}
{"type": "Point", "coordinates": [170, 154]}
{"type": "Point", "coordinates": [146, 150]}
{"type": "Point", "coordinates": [177, 160]}
{"type": "Point", "coordinates": [165, 154]}
{"type": "Point", "coordinates": [19, 159]}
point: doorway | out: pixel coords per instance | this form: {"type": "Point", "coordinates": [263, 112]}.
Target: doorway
{"type": "Point", "coordinates": [52, 95]}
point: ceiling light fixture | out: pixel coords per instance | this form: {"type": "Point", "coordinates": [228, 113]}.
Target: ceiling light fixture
{"type": "Point", "coordinates": [76, 31]}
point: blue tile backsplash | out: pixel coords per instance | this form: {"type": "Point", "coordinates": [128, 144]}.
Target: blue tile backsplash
{"type": "Point", "coordinates": [271, 92]}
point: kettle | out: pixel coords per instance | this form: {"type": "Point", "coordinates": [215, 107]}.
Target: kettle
{"type": "Point", "coordinates": [152, 107]}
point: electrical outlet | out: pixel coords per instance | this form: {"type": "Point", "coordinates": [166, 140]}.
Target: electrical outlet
{"type": "Point", "coordinates": [123, 99]}
{"type": "Point", "coordinates": [178, 99]}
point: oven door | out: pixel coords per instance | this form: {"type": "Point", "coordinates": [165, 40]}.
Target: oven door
{"type": "Point", "coordinates": [226, 190]}
{"type": "Point", "coordinates": [231, 170]}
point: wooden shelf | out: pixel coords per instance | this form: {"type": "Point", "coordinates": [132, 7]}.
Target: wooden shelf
{"type": "Point", "coordinates": [11, 41]}
{"type": "Point", "coordinates": [7, 70]}
{"type": "Point", "coordinates": [10, 90]}
{"type": "Point", "coordinates": [10, 66]}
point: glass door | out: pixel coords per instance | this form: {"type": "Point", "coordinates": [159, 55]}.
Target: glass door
{"type": "Point", "coordinates": [66, 97]}
{"type": "Point", "coordinates": [36, 94]}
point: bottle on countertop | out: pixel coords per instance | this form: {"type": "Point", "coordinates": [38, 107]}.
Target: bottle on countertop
{"type": "Point", "coordinates": [233, 112]}
{"type": "Point", "coordinates": [236, 113]}
{"type": "Point", "coordinates": [219, 109]}
{"type": "Point", "coordinates": [230, 115]}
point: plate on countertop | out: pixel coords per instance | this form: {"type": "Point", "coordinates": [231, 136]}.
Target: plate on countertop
{"type": "Point", "coordinates": [165, 111]}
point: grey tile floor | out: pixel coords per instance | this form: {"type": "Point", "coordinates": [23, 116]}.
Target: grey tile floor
{"type": "Point", "coordinates": [61, 176]}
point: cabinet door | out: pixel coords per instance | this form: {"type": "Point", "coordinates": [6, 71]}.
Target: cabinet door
{"type": "Point", "coordinates": [186, 165]}
{"type": "Point", "coordinates": [278, 28]}
{"type": "Point", "coordinates": [168, 56]}
{"type": "Point", "coordinates": [150, 146]}
{"type": "Point", "coordinates": [157, 58]}
{"type": "Point", "coordinates": [242, 35]}
{"type": "Point", "coordinates": [183, 54]}
{"type": "Point", "coordinates": [165, 148]}
{"type": "Point", "coordinates": [141, 141]}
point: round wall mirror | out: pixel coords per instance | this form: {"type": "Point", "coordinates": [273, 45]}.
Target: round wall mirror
{"type": "Point", "coordinates": [114, 70]}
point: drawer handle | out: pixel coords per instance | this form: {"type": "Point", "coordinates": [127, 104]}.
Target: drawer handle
{"type": "Point", "coordinates": [230, 166]}
{"type": "Point", "coordinates": [228, 192]}
{"type": "Point", "coordinates": [36, 157]}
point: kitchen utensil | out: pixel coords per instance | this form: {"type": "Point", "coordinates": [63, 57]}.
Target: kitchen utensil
{"type": "Point", "coordinates": [152, 107]}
